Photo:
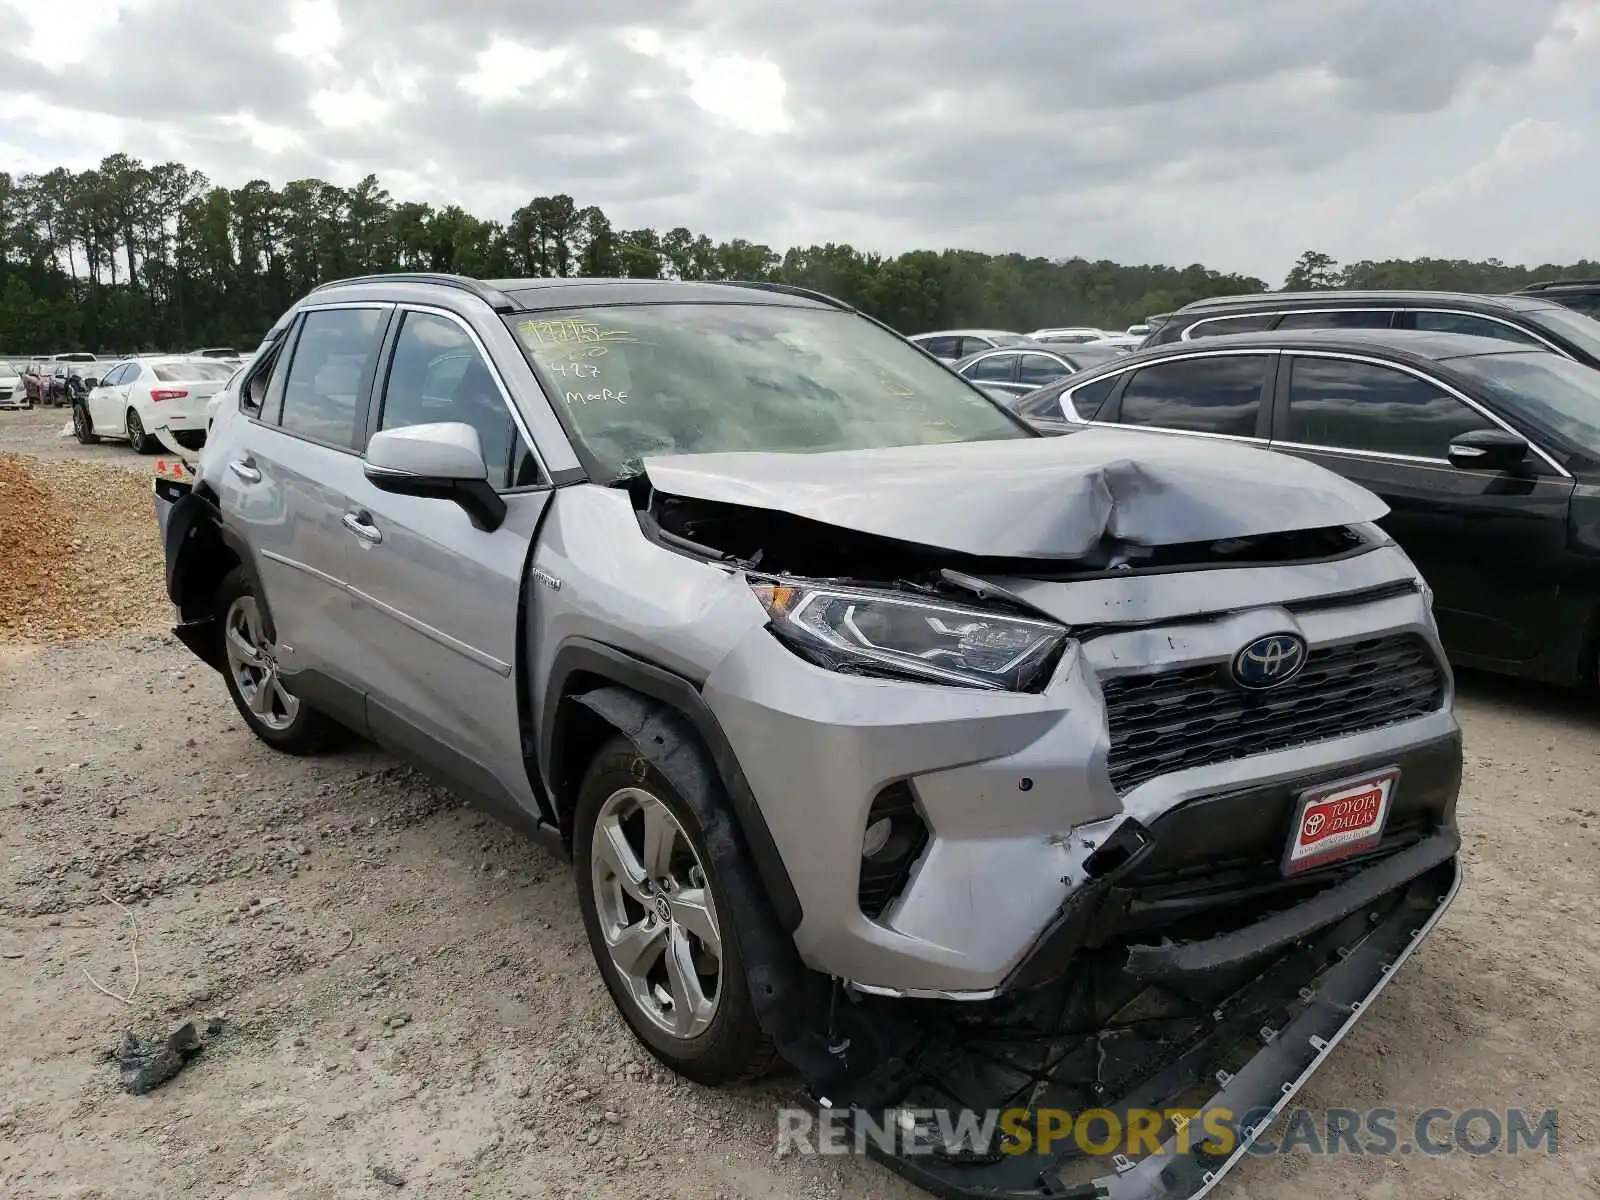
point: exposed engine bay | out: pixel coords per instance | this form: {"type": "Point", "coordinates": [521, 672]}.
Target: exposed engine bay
{"type": "Point", "coordinates": [781, 543]}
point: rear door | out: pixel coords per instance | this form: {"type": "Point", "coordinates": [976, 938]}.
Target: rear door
{"type": "Point", "coordinates": [437, 600]}
{"type": "Point", "coordinates": [286, 481]}
{"type": "Point", "coordinates": [1491, 544]}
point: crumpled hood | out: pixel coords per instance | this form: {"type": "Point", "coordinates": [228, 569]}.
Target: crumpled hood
{"type": "Point", "coordinates": [1048, 497]}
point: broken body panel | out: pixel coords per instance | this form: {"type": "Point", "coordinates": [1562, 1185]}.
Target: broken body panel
{"type": "Point", "coordinates": [1102, 915]}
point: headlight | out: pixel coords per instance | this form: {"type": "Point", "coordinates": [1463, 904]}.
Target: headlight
{"type": "Point", "coordinates": [885, 633]}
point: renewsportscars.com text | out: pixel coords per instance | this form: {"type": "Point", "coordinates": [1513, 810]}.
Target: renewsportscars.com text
{"type": "Point", "coordinates": [1375, 1132]}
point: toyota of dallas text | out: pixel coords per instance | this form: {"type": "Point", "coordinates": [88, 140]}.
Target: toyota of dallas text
{"type": "Point", "coordinates": [957, 768]}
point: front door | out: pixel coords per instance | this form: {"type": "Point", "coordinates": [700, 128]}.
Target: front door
{"type": "Point", "coordinates": [438, 600]}
{"type": "Point", "coordinates": [106, 401]}
{"type": "Point", "coordinates": [1490, 543]}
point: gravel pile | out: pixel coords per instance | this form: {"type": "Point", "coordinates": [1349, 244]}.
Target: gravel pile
{"type": "Point", "coordinates": [79, 555]}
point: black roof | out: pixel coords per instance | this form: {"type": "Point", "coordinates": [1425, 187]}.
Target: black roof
{"type": "Point", "coordinates": [1394, 343]}
{"type": "Point", "coordinates": [1344, 298]}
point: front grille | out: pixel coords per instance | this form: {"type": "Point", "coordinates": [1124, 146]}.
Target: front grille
{"type": "Point", "coordinates": [1172, 720]}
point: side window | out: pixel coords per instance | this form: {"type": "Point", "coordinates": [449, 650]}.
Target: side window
{"type": "Point", "coordinates": [1039, 369]}
{"type": "Point", "coordinates": [941, 347]}
{"type": "Point", "coordinates": [333, 359]}
{"type": "Point", "coordinates": [114, 376]}
{"type": "Point", "coordinates": [1351, 319]}
{"type": "Point", "coordinates": [1199, 395]}
{"type": "Point", "coordinates": [973, 345]}
{"type": "Point", "coordinates": [1447, 322]}
{"type": "Point", "coordinates": [997, 368]}
{"type": "Point", "coordinates": [1088, 399]}
{"type": "Point", "coordinates": [1362, 406]}
{"type": "Point", "coordinates": [1587, 303]}
{"type": "Point", "coordinates": [438, 374]}
{"type": "Point", "coordinates": [1223, 325]}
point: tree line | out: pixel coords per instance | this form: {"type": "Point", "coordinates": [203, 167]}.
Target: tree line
{"type": "Point", "coordinates": [128, 256]}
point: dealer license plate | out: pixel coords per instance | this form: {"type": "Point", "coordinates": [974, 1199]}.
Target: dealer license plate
{"type": "Point", "coordinates": [1339, 820]}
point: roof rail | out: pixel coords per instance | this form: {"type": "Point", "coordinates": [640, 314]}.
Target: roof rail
{"type": "Point", "coordinates": [495, 299]}
{"type": "Point", "coordinates": [1550, 283]}
{"type": "Point", "coordinates": [790, 289]}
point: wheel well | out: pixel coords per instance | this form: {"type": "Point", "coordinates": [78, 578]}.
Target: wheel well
{"type": "Point", "coordinates": [579, 735]}
{"type": "Point", "coordinates": [202, 563]}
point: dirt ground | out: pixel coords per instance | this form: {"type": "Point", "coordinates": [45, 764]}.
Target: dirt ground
{"type": "Point", "coordinates": [405, 985]}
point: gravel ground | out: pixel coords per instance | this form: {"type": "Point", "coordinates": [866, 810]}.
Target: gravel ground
{"type": "Point", "coordinates": [407, 991]}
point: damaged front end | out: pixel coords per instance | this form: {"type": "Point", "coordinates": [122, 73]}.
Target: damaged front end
{"type": "Point", "coordinates": [1168, 1057]}
{"type": "Point", "coordinates": [1188, 950]}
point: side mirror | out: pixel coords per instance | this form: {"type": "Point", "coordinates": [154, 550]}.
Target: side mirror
{"type": "Point", "coordinates": [1488, 450]}
{"type": "Point", "coordinates": [91, 381]}
{"type": "Point", "coordinates": [442, 461]}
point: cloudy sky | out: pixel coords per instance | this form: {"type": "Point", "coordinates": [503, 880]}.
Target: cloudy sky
{"type": "Point", "coordinates": [1231, 132]}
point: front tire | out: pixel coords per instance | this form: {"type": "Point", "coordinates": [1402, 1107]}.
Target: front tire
{"type": "Point", "coordinates": [250, 668]}
{"type": "Point", "coordinates": [83, 425]}
{"type": "Point", "coordinates": [660, 926]}
{"type": "Point", "coordinates": [138, 439]}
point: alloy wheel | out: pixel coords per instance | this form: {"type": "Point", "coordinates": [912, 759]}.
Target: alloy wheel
{"type": "Point", "coordinates": [657, 916]}
{"type": "Point", "coordinates": [254, 667]}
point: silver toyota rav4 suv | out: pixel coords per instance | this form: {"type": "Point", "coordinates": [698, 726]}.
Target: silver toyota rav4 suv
{"type": "Point", "coordinates": [967, 771]}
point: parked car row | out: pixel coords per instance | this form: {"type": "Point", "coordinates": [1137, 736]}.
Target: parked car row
{"type": "Point", "coordinates": [136, 395]}
{"type": "Point", "coordinates": [61, 379]}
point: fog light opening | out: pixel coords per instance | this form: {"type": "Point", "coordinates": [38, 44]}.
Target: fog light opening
{"type": "Point", "coordinates": [892, 841]}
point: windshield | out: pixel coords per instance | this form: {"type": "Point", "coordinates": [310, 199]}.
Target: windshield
{"type": "Point", "coordinates": [1555, 392]}
{"type": "Point", "coordinates": [1581, 331]}
{"type": "Point", "coordinates": [700, 378]}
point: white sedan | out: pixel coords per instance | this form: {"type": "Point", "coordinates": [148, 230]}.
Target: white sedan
{"type": "Point", "coordinates": [138, 395]}
{"type": "Point", "coordinates": [12, 394]}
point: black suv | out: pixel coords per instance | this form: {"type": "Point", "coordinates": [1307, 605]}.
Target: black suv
{"type": "Point", "coordinates": [1580, 295]}
{"type": "Point", "coordinates": [1525, 318]}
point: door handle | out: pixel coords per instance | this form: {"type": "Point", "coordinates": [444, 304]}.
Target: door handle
{"type": "Point", "coordinates": [245, 470]}
{"type": "Point", "coordinates": [361, 525]}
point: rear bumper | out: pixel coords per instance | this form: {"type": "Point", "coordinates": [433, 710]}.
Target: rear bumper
{"type": "Point", "coordinates": [177, 510]}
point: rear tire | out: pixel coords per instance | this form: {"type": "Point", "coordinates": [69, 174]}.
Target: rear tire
{"type": "Point", "coordinates": [138, 439]}
{"type": "Point", "coordinates": [660, 926]}
{"type": "Point", "coordinates": [83, 425]}
{"type": "Point", "coordinates": [250, 669]}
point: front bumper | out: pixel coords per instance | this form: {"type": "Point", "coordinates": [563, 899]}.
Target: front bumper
{"type": "Point", "coordinates": [1209, 1068]}
{"type": "Point", "coordinates": [1016, 791]}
